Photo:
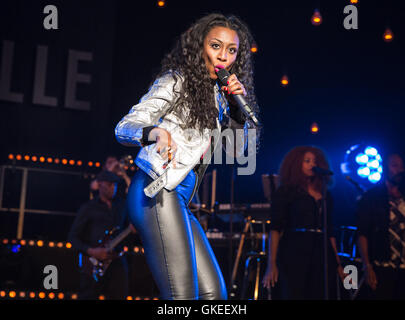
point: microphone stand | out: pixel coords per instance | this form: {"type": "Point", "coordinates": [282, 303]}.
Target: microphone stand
{"type": "Point", "coordinates": [231, 226]}
{"type": "Point", "coordinates": [325, 237]}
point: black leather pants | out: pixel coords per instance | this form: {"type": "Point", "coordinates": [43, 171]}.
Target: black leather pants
{"type": "Point", "coordinates": [177, 251]}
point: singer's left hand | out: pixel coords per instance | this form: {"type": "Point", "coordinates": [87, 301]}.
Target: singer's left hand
{"type": "Point", "coordinates": [234, 86]}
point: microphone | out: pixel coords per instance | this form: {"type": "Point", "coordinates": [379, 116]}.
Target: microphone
{"type": "Point", "coordinates": [223, 76]}
{"type": "Point", "coordinates": [355, 183]}
{"type": "Point", "coordinates": [322, 171]}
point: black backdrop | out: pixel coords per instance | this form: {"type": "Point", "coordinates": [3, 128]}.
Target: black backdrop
{"type": "Point", "coordinates": [349, 81]}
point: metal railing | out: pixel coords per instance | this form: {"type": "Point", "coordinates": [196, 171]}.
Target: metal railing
{"type": "Point", "coordinates": [22, 209]}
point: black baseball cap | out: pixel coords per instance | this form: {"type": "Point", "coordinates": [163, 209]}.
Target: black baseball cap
{"type": "Point", "coordinates": [107, 176]}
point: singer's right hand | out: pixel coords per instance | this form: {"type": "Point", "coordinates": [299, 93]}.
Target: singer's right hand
{"type": "Point", "coordinates": [165, 145]}
{"type": "Point", "coordinates": [234, 86]}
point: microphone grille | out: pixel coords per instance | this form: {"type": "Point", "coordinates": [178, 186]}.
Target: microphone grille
{"type": "Point", "coordinates": [223, 76]}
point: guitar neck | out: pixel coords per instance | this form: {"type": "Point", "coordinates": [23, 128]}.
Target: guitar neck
{"type": "Point", "coordinates": [119, 238]}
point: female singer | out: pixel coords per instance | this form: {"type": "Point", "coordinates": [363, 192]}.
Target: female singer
{"type": "Point", "coordinates": [173, 123]}
{"type": "Point", "coordinates": [296, 236]}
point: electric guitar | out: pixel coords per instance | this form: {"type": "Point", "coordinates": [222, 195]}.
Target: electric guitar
{"type": "Point", "coordinates": [98, 268]}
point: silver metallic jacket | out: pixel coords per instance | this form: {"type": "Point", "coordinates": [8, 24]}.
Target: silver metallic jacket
{"type": "Point", "coordinates": [191, 144]}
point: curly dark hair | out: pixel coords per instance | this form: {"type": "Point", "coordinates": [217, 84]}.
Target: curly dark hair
{"type": "Point", "coordinates": [186, 58]}
{"type": "Point", "coordinates": [291, 168]}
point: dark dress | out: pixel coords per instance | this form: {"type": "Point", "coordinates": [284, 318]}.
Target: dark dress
{"type": "Point", "coordinates": [300, 252]}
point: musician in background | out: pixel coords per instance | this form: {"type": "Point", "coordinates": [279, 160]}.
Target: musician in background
{"type": "Point", "coordinates": [115, 166]}
{"type": "Point", "coordinates": [296, 236]}
{"type": "Point", "coordinates": [381, 228]}
{"type": "Point", "coordinates": [104, 212]}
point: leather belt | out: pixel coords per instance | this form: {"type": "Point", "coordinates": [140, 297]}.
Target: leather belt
{"type": "Point", "coordinates": [307, 230]}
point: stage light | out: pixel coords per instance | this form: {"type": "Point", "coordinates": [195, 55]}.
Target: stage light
{"type": "Point", "coordinates": [97, 164]}
{"type": "Point", "coordinates": [49, 160]}
{"type": "Point", "coordinates": [363, 161]}
{"type": "Point", "coordinates": [56, 160]}
{"type": "Point", "coordinates": [68, 245]}
{"type": "Point", "coordinates": [12, 294]}
{"type": "Point", "coordinates": [74, 296]}
{"type": "Point", "coordinates": [26, 158]}
{"type": "Point", "coordinates": [375, 177]}
{"type": "Point", "coordinates": [61, 295]}
{"type": "Point", "coordinates": [284, 81]}
{"type": "Point", "coordinates": [40, 243]}
{"type": "Point", "coordinates": [129, 298]}
{"type": "Point", "coordinates": [18, 157]}
{"type": "Point", "coordinates": [79, 163]}
{"type": "Point", "coordinates": [388, 36]}
{"type": "Point", "coordinates": [161, 3]}
{"type": "Point", "coordinates": [314, 128]}
{"type": "Point", "coordinates": [373, 164]}
{"type": "Point", "coordinates": [41, 295]}
{"type": "Point", "coordinates": [34, 158]}
{"type": "Point", "coordinates": [31, 242]}
{"type": "Point", "coordinates": [354, 1]}
{"type": "Point", "coordinates": [371, 151]}
{"type": "Point", "coordinates": [2, 294]}
{"type": "Point", "coordinates": [51, 244]}
{"type": "Point", "coordinates": [90, 164]}
{"type": "Point", "coordinates": [316, 18]}
{"type": "Point", "coordinates": [5, 241]}
{"type": "Point", "coordinates": [23, 242]}
{"type": "Point", "coordinates": [51, 295]}
{"type": "Point", "coordinates": [15, 248]}
{"type": "Point", "coordinates": [363, 172]}
{"type": "Point", "coordinates": [71, 162]}
{"type": "Point", "coordinates": [64, 161]}
{"type": "Point", "coordinates": [254, 48]}
{"type": "Point", "coordinates": [361, 158]}
{"type": "Point", "coordinates": [22, 294]}
{"type": "Point", "coordinates": [32, 295]}
{"type": "Point", "coordinates": [10, 156]}
{"type": "Point", "coordinates": [101, 297]}
{"type": "Point", "coordinates": [41, 159]}
{"type": "Point", "coordinates": [59, 245]}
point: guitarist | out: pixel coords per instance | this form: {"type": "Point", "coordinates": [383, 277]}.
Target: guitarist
{"type": "Point", "coordinates": [102, 213]}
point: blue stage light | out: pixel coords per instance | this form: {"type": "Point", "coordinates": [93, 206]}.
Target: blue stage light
{"type": "Point", "coordinates": [371, 151]}
{"type": "Point", "coordinates": [375, 177]}
{"type": "Point", "coordinates": [363, 172]}
{"type": "Point", "coordinates": [373, 164]}
{"type": "Point", "coordinates": [361, 158]}
{"type": "Point", "coordinates": [363, 161]}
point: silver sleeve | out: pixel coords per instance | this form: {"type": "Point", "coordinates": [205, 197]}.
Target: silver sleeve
{"type": "Point", "coordinates": [148, 111]}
